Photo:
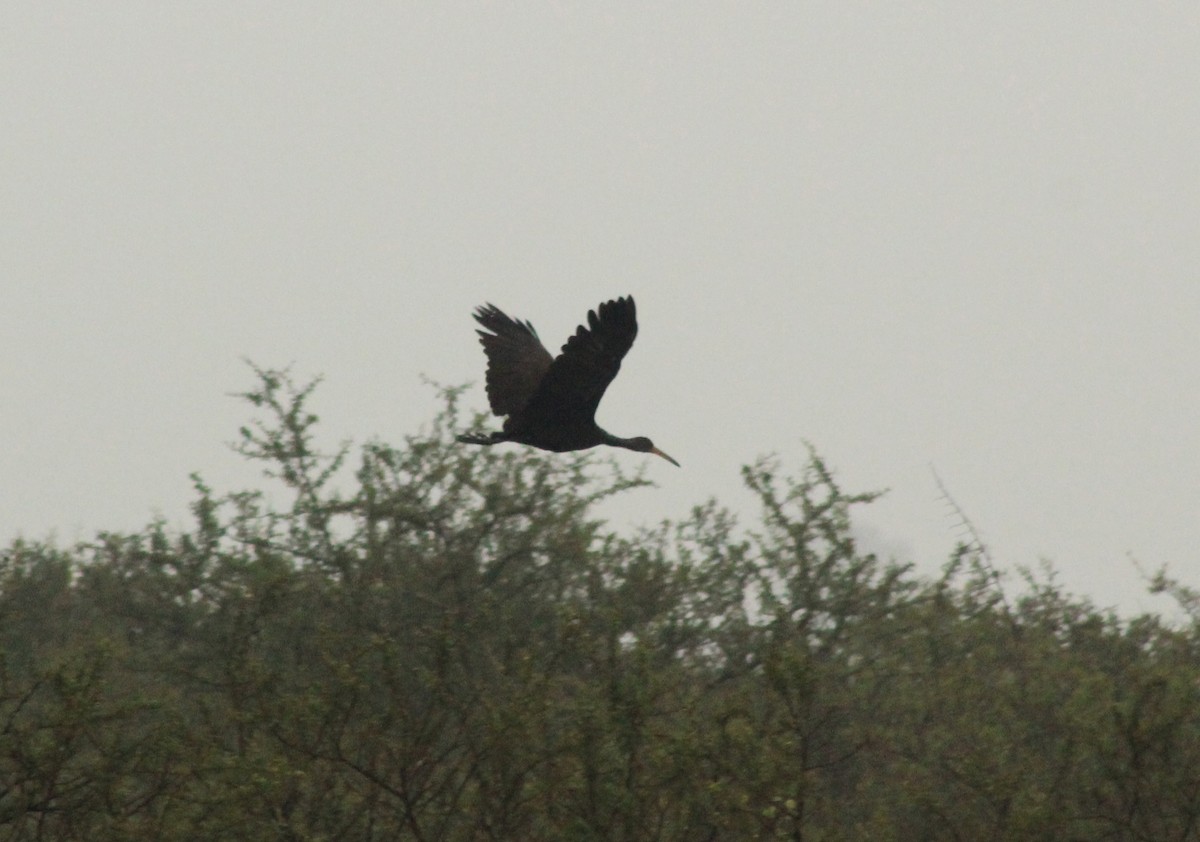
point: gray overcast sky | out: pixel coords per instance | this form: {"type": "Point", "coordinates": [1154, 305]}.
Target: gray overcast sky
{"type": "Point", "coordinates": [958, 234]}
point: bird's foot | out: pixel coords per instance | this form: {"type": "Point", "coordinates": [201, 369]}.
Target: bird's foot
{"type": "Point", "coordinates": [476, 438]}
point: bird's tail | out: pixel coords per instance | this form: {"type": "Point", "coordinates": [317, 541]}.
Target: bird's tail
{"type": "Point", "coordinates": [476, 438]}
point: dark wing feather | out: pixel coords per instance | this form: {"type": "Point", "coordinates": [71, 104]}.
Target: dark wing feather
{"type": "Point", "coordinates": [517, 360]}
{"type": "Point", "coordinates": [575, 382]}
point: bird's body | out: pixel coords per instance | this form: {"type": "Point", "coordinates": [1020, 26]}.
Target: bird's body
{"type": "Point", "coordinates": [550, 402]}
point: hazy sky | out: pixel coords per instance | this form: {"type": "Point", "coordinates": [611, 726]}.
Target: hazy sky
{"type": "Point", "coordinates": [958, 234]}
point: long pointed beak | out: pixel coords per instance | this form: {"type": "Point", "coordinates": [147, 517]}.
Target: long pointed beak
{"type": "Point", "coordinates": [658, 452]}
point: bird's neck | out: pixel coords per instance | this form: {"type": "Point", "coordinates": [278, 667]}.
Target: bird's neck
{"type": "Point", "coordinates": [615, 441]}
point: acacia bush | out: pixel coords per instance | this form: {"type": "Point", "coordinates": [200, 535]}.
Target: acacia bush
{"type": "Point", "coordinates": [450, 645]}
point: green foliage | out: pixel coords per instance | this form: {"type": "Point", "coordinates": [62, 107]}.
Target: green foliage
{"type": "Point", "coordinates": [445, 643]}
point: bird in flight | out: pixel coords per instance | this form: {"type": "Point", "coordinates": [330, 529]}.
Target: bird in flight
{"type": "Point", "coordinates": [551, 401]}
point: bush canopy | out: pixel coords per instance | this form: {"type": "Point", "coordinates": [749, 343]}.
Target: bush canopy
{"type": "Point", "coordinates": [458, 648]}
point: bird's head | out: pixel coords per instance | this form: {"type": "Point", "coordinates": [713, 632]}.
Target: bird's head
{"type": "Point", "coordinates": [644, 445]}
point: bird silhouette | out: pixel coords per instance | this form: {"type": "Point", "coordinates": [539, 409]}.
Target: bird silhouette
{"type": "Point", "coordinates": [551, 401]}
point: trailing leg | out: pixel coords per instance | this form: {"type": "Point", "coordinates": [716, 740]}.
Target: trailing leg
{"type": "Point", "coordinates": [476, 438]}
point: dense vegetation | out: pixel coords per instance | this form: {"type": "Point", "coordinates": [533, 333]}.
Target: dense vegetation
{"type": "Point", "coordinates": [458, 649]}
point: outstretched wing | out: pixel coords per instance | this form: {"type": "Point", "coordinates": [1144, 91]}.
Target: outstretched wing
{"type": "Point", "coordinates": [517, 359]}
{"type": "Point", "coordinates": [576, 380]}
